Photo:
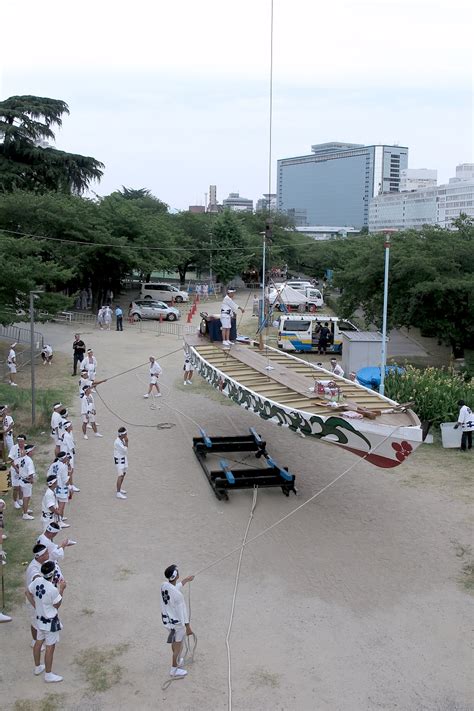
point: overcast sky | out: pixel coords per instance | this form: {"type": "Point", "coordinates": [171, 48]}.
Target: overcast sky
{"type": "Point", "coordinates": [175, 96]}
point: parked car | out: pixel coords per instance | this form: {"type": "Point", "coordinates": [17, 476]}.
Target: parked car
{"type": "Point", "coordinates": [163, 292]}
{"type": "Point", "coordinates": [145, 308]}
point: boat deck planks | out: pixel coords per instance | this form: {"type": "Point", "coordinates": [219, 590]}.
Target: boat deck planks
{"type": "Point", "coordinates": [289, 381]}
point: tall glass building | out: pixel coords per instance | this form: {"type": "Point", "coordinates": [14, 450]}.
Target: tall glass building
{"type": "Point", "coordinates": [335, 183]}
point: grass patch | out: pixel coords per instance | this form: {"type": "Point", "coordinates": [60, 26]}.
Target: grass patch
{"type": "Point", "coordinates": [466, 578]}
{"type": "Point", "coordinates": [87, 611]}
{"type": "Point", "coordinates": [51, 702]}
{"type": "Point", "coordinates": [98, 666]}
{"type": "Point", "coordinates": [261, 677]}
{"type": "Point", "coordinates": [123, 574]}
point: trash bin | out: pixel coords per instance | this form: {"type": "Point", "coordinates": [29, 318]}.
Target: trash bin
{"type": "Point", "coordinates": [450, 437]}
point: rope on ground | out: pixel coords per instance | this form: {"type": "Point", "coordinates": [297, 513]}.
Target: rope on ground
{"type": "Point", "coordinates": [298, 508]}
{"type": "Point", "coordinates": [234, 598]}
{"type": "Point", "coordinates": [157, 426]}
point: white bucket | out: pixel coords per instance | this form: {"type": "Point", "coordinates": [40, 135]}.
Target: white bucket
{"type": "Point", "coordinates": [450, 437]}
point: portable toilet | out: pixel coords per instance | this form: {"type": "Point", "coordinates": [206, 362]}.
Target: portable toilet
{"type": "Point", "coordinates": [360, 349]}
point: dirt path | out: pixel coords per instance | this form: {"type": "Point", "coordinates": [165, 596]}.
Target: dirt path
{"type": "Point", "coordinates": [354, 604]}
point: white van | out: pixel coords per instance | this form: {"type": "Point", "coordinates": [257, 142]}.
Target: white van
{"type": "Point", "coordinates": [300, 333]}
{"type": "Point", "coordinates": [157, 291]}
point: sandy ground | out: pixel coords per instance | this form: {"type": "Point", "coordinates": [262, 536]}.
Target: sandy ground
{"type": "Point", "coordinates": [353, 604]}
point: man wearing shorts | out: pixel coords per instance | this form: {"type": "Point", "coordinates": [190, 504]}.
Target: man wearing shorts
{"type": "Point", "coordinates": [11, 362]}
{"type": "Point", "coordinates": [41, 555]}
{"type": "Point", "coordinates": [78, 349]}
{"type": "Point", "coordinates": [46, 599]}
{"type": "Point", "coordinates": [90, 364]}
{"type": "Point", "coordinates": [47, 539]}
{"type": "Point", "coordinates": [56, 420]}
{"type": "Point", "coordinates": [174, 616]}
{"type": "Point", "coordinates": [16, 452]}
{"type": "Point", "coordinates": [69, 447]}
{"type": "Point", "coordinates": [49, 503]}
{"type": "Point", "coordinates": [121, 460]}
{"type": "Point", "coordinates": [228, 309]}
{"type": "Point", "coordinates": [188, 370]}
{"type": "Point", "coordinates": [8, 424]}
{"type": "Point", "coordinates": [155, 372]}
{"type": "Point", "coordinates": [88, 412]}
{"type": "Point", "coordinates": [60, 469]}
{"type": "Point", "coordinates": [26, 474]}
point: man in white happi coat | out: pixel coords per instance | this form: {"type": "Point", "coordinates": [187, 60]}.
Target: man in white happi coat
{"type": "Point", "coordinates": [155, 372]}
{"type": "Point", "coordinates": [17, 451]}
{"type": "Point", "coordinates": [174, 616]}
{"type": "Point", "coordinates": [121, 461]}
{"type": "Point", "coordinates": [56, 552]}
{"type": "Point", "coordinates": [8, 424]}
{"type": "Point", "coordinates": [11, 363]}
{"type": "Point", "coordinates": [336, 368]}
{"type": "Point", "coordinates": [90, 364]}
{"type": "Point", "coordinates": [69, 447]}
{"type": "Point", "coordinates": [49, 502]}
{"type": "Point", "coordinates": [60, 469]}
{"type": "Point", "coordinates": [27, 475]}
{"type": "Point", "coordinates": [46, 599]}
{"type": "Point", "coordinates": [56, 424]}
{"type": "Point", "coordinates": [41, 555]}
{"type": "Point", "coordinates": [88, 412]}
{"type": "Point", "coordinates": [228, 309]}
{"type": "Point", "coordinates": [466, 422]}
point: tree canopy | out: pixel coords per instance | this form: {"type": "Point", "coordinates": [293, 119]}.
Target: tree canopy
{"type": "Point", "coordinates": [26, 162]}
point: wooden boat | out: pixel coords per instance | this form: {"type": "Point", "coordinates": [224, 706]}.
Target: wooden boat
{"type": "Point", "coordinates": [279, 387]}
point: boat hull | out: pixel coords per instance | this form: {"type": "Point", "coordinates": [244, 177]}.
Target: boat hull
{"type": "Point", "coordinates": [384, 446]}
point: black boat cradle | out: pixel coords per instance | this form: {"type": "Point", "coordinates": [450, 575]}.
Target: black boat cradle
{"type": "Point", "coordinates": [227, 478]}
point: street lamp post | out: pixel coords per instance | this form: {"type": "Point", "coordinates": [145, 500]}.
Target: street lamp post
{"type": "Point", "coordinates": [33, 296]}
{"type": "Point", "coordinates": [384, 318]}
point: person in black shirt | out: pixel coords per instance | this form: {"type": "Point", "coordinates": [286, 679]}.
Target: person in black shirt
{"type": "Point", "coordinates": [79, 349]}
{"type": "Point", "coordinates": [323, 339]}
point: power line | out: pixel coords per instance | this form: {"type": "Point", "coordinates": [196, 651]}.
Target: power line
{"type": "Point", "coordinates": [135, 247]}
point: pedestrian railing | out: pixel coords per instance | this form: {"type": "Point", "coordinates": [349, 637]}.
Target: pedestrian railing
{"type": "Point", "coordinates": [16, 334]}
{"type": "Point", "coordinates": [161, 327]}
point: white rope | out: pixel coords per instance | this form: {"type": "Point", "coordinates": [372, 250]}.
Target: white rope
{"type": "Point", "coordinates": [234, 597]}
{"type": "Point", "coordinates": [298, 508]}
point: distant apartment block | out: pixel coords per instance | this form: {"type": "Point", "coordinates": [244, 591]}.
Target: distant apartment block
{"type": "Point", "coordinates": [334, 184]}
{"type": "Point", "coordinates": [417, 178]}
{"type": "Point", "coordinates": [196, 208]}
{"type": "Point", "coordinates": [438, 205]}
{"type": "Point", "coordinates": [237, 203]}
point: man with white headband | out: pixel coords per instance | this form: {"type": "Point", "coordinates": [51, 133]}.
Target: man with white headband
{"type": "Point", "coordinates": [49, 503]}
{"type": "Point", "coordinates": [121, 460]}
{"type": "Point", "coordinates": [88, 412]}
{"type": "Point", "coordinates": [228, 309]}
{"type": "Point", "coordinates": [90, 364]}
{"type": "Point", "coordinates": [41, 555]}
{"type": "Point", "coordinates": [17, 451]}
{"type": "Point", "coordinates": [69, 447]}
{"type": "Point", "coordinates": [60, 469]}
{"type": "Point", "coordinates": [8, 424]}
{"type": "Point", "coordinates": [56, 420]}
{"type": "Point", "coordinates": [11, 362]}
{"type": "Point", "coordinates": [155, 372]}
{"type": "Point", "coordinates": [56, 552]}
{"type": "Point", "coordinates": [174, 616]}
{"type": "Point", "coordinates": [46, 599]}
{"type": "Point", "coordinates": [27, 475]}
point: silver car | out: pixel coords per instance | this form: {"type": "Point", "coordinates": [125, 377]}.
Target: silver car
{"type": "Point", "coordinates": [144, 308]}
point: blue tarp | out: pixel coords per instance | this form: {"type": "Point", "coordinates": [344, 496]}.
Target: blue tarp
{"type": "Point", "coordinates": [370, 376]}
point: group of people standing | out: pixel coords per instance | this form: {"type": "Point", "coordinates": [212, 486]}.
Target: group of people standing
{"type": "Point", "coordinates": [105, 316]}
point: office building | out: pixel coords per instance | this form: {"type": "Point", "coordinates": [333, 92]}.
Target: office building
{"type": "Point", "coordinates": [237, 203]}
{"type": "Point", "coordinates": [324, 232]}
{"type": "Point", "coordinates": [267, 203]}
{"type": "Point", "coordinates": [417, 179]}
{"type": "Point", "coordinates": [196, 209]}
{"type": "Point", "coordinates": [438, 205]}
{"type": "Point", "coordinates": [333, 184]}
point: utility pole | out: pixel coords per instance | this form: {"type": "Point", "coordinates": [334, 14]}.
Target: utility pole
{"type": "Point", "coordinates": [33, 296]}
{"type": "Point", "coordinates": [267, 237]}
{"type": "Point", "coordinates": [384, 318]}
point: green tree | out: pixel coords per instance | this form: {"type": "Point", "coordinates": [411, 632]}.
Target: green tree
{"type": "Point", "coordinates": [26, 122]}
{"type": "Point", "coordinates": [191, 241]}
{"type": "Point", "coordinates": [431, 282]}
{"type": "Point", "coordinates": [231, 253]}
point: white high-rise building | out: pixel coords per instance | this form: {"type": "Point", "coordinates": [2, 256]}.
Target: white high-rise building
{"type": "Point", "coordinates": [439, 205]}
{"type": "Point", "coordinates": [417, 178]}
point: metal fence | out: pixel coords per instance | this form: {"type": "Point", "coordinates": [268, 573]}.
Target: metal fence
{"type": "Point", "coordinates": [15, 334]}
{"type": "Point", "coordinates": [161, 327]}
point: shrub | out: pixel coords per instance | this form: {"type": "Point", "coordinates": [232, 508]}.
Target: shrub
{"type": "Point", "coordinates": [435, 392]}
